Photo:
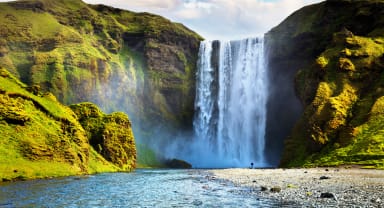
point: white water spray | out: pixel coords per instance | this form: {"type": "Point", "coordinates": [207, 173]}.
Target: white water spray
{"type": "Point", "coordinates": [231, 96]}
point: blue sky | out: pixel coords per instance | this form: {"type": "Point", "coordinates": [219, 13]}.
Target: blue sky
{"type": "Point", "coordinates": [217, 19]}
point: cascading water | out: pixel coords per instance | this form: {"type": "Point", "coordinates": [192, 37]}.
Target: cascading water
{"type": "Point", "coordinates": [231, 96]}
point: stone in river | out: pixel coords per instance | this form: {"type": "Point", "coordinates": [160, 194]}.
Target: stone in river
{"type": "Point", "coordinates": [324, 177]}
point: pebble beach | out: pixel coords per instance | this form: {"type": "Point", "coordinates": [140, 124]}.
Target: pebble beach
{"type": "Point", "coordinates": [316, 187]}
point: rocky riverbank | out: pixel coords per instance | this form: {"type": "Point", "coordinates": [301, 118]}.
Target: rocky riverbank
{"type": "Point", "coordinates": [317, 187]}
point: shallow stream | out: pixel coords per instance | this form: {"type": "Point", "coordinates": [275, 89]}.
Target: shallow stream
{"type": "Point", "coordinates": [142, 188]}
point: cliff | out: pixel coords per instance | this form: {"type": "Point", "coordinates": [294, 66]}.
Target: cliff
{"type": "Point", "coordinates": [330, 58]}
{"type": "Point", "coordinates": [138, 63]}
{"type": "Point", "coordinates": [42, 138]}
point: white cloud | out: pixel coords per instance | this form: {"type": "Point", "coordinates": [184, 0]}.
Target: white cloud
{"type": "Point", "coordinates": [234, 19]}
{"type": "Point", "coordinates": [141, 5]}
{"type": "Point", "coordinates": [218, 19]}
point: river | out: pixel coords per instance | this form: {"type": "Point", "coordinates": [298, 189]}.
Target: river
{"type": "Point", "coordinates": [142, 188]}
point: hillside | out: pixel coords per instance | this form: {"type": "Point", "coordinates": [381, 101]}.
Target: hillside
{"type": "Point", "coordinates": [333, 52]}
{"type": "Point", "coordinates": [138, 63]}
{"type": "Point", "coordinates": [42, 138]}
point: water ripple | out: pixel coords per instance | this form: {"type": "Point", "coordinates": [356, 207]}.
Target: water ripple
{"type": "Point", "coordinates": [143, 188]}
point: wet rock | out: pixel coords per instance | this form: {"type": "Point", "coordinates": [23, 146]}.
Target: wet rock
{"type": "Point", "coordinates": [263, 188]}
{"type": "Point", "coordinates": [378, 200]}
{"type": "Point", "coordinates": [20, 178]}
{"type": "Point", "coordinates": [178, 164]}
{"type": "Point", "coordinates": [6, 180]}
{"type": "Point", "coordinates": [205, 187]}
{"type": "Point", "coordinates": [327, 195]}
{"type": "Point", "coordinates": [275, 189]}
{"type": "Point", "coordinates": [197, 203]}
{"type": "Point", "coordinates": [210, 178]}
{"type": "Point", "coordinates": [325, 177]}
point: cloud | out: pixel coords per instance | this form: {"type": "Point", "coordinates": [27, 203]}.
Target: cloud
{"type": "Point", "coordinates": [233, 19]}
{"type": "Point", "coordinates": [141, 5]}
{"type": "Point", "coordinates": [217, 19]}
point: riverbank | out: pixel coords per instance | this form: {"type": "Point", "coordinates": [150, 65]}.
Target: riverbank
{"type": "Point", "coordinates": [318, 187]}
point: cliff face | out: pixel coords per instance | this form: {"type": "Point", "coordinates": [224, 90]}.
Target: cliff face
{"type": "Point", "coordinates": [110, 135]}
{"type": "Point", "coordinates": [139, 63]}
{"type": "Point", "coordinates": [42, 138]}
{"type": "Point", "coordinates": [333, 53]}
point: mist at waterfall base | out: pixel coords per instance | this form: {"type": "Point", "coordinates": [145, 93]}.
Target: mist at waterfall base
{"type": "Point", "coordinates": [230, 107]}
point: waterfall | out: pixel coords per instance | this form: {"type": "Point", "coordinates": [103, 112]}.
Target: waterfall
{"type": "Point", "coordinates": [230, 106]}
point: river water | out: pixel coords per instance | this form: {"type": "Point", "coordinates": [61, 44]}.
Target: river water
{"type": "Point", "coordinates": [142, 188]}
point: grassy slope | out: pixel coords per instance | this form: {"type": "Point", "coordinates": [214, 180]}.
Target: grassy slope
{"type": "Point", "coordinates": [110, 135]}
{"type": "Point", "coordinates": [41, 137]}
{"type": "Point", "coordinates": [341, 87]}
{"type": "Point", "coordinates": [66, 45]}
{"type": "Point", "coordinates": [82, 53]}
{"type": "Point", "coordinates": [345, 119]}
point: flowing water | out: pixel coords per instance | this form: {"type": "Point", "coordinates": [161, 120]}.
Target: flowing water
{"type": "Point", "coordinates": [142, 188]}
{"type": "Point", "coordinates": [231, 96]}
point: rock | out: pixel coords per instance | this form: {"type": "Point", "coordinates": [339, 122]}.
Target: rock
{"type": "Point", "coordinates": [110, 135]}
{"type": "Point", "coordinates": [20, 178]}
{"type": "Point", "coordinates": [346, 32]}
{"type": "Point", "coordinates": [205, 187]}
{"type": "Point", "coordinates": [325, 177]}
{"type": "Point", "coordinates": [344, 48]}
{"type": "Point", "coordinates": [275, 189]}
{"type": "Point", "coordinates": [327, 195]}
{"type": "Point", "coordinates": [178, 164]}
{"type": "Point", "coordinates": [197, 203]}
{"type": "Point", "coordinates": [59, 140]}
{"type": "Point", "coordinates": [263, 188]}
{"type": "Point", "coordinates": [378, 200]}
{"type": "Point", "coordinates": [6, 180]}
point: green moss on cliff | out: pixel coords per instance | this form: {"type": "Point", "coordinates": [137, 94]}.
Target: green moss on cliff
{"type": "Point", "coordinates": [42, 138]}
{"type": "Point", "coordinates": [118, 59]}
{"type": "Point", "coordinates": [341, 126]}
{"type": "Point", "coordinates": [110, 135]}
{"type": "Point", "coordinates": [336, 49]}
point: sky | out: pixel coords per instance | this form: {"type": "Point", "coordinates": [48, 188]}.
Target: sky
{"type": "Point", "coordinates": [217, 19]}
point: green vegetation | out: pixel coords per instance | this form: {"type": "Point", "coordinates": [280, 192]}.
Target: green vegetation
{"type": "Point", "coordinates": [110, 135]}
{"type": "Point", "coordinates": [147, 158]}
{"type": "Point", "coordinates": [118, 59]}
{"type": "Point", "coordinates": [42, 138]}
{"type": "Point", "coordinates": [341, 87]}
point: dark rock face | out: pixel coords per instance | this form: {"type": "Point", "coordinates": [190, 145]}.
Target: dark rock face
{"type": "Point", "coordinates": [327, 195]}
{"type": "Point", "coordinates": [327, 75]}
{"type": "Point", "coordinates": [179, 164]}
{"type": "Point", "coordinates": [275, 189]}
{"type": "Point", "coordinates": [324, 177]}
